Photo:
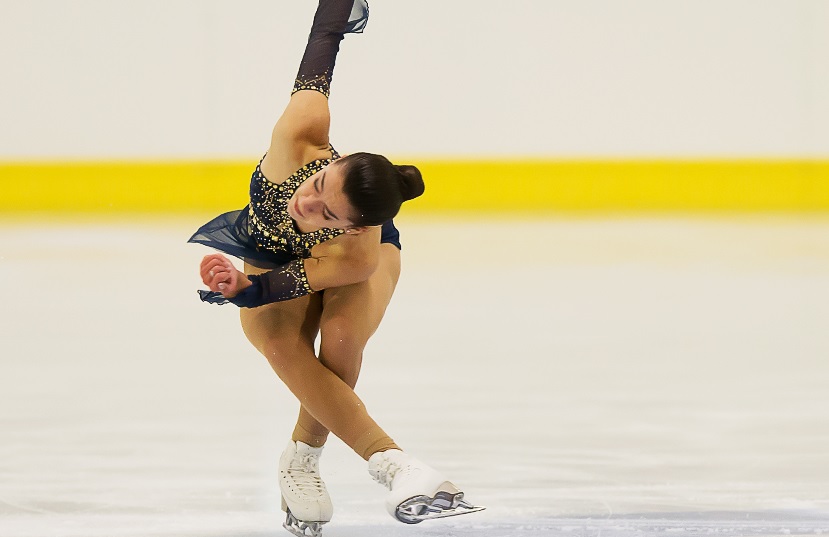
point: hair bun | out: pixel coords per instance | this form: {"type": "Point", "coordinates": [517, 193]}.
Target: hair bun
{"type": "Point", "coordinates": [411, 181]}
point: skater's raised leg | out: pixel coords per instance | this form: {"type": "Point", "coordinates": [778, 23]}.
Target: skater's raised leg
{"type": "Point", "coordinates": [418, 492]}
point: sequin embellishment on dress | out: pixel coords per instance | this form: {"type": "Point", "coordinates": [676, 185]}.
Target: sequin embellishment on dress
{"type": "Point", "coordinates": [271, 226]}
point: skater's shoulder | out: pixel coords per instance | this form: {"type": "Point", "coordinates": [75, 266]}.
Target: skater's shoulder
{"type": "Point", "coordinates": [341, 261]}
{"type": "Point", "coordinates": [359, 249]}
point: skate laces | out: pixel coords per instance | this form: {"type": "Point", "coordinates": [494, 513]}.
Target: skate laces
{"type": "Point", "coordinates": [304, 471]}
{"type": "Point", "coordinates": [386, 470]}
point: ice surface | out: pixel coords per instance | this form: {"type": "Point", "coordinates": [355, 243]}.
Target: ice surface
{"type": "Point", "coordinates": [578, 377]}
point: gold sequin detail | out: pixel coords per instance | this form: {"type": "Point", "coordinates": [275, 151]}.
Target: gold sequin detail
{"type": "Point", "coordinates": [271, 226]}
{"type": "Point", "coordinates": [296, 271]}
{"type": "Point", "coordinates": [320, 83]}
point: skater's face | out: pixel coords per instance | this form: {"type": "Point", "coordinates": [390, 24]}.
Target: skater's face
{"type": "Point", "coordinates": [320, 202]}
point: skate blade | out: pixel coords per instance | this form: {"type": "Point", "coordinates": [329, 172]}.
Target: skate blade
{"type": "Point", "coordinates": [444, 504]}
{"type": "Point", "coordinates": [301, 528]}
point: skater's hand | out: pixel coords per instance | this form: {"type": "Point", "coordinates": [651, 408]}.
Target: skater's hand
{"type": "Point", "coordinates": [219, 274]}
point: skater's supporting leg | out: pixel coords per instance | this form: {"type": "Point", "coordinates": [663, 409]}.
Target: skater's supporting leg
{"type": "Point", "coordinates": [303, 490]}
{"type": "Point", "coordinates": [284, 333]}
{"type": "Point", "coordinates": [350, 316]}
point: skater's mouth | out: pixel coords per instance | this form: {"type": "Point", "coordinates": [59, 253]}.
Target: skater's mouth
{"type": "Point", "coordinates": [296, 209]}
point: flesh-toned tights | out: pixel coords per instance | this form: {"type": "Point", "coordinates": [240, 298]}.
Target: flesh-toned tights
{"type": "Point", "coordinates": [345, 317]}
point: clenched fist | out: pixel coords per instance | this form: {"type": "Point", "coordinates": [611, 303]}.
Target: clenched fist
{"type": "Point", "coordinates": [219, 274]}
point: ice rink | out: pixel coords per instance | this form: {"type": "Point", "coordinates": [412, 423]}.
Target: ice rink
{"type": "Point", "coordinates": [579, 377]}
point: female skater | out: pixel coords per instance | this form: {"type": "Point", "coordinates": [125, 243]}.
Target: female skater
{"type": "Point", "coordinates": [322, 256]}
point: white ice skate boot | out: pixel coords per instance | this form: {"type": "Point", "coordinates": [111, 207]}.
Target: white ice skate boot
{"type": "Point", "coordinates": [418, 492]}
{"type": "Point", "coordinates": [304, 496]}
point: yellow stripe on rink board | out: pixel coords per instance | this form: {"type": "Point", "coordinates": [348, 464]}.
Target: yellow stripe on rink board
{"type": "Point", "coordinates": [544, 186]}
{"type": "Point", "coordinates": [520, 186]}
{"type": "Point", "coordinates": [114, 187]}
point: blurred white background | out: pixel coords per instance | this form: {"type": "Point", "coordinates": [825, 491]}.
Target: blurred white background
{"type": "Point", "coordinates": [550, 78]}
{"type": "Point", "coordinates": [633, 376]}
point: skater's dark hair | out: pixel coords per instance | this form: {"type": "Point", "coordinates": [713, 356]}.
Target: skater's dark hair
{"type": "Point", "coordinates": [376, 188]}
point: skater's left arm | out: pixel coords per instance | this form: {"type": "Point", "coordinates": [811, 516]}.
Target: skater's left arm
{"type": "Point", "coordinates": [337, 268]}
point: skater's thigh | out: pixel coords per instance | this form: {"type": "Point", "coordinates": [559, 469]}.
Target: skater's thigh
{"type": "Point", "coordinates": [281, 325]}
{"type": "Point", "coordinates": [354, 312]}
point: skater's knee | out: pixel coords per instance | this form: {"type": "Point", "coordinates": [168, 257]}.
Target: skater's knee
{"type": "Point", "coordinates": [342, 335]}
{"type": "Point", "coordinates": [341, 347]}
{"type": "Point", "coordinates": [280, 353]}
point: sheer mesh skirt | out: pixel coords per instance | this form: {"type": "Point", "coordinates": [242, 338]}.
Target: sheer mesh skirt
{"type": "Point", "coordinates": [229, 233]}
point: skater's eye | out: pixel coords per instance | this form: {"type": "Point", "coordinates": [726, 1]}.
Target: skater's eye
{"type": "Point", "coordinates": [327, 214]}
{"type": "Point", "coordinates": [319, 186]}
{"type": "Point", "coordinates": [319, 183]}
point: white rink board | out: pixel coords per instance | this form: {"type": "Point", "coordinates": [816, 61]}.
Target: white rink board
{"type": "Point", "coordinates": [578, 377]}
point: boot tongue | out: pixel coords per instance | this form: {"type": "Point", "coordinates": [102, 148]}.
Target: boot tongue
{"type": "Point", "coordinates": [304, 449]}
{"type": "Point", "coordinates": [306, 458]}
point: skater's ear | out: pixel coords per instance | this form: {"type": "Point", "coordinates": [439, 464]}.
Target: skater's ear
{"type": "Point", "coordinates": [356, 230]}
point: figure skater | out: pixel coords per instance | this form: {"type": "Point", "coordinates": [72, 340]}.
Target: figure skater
{"type": "Point", "coordinates": [322, 256]}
